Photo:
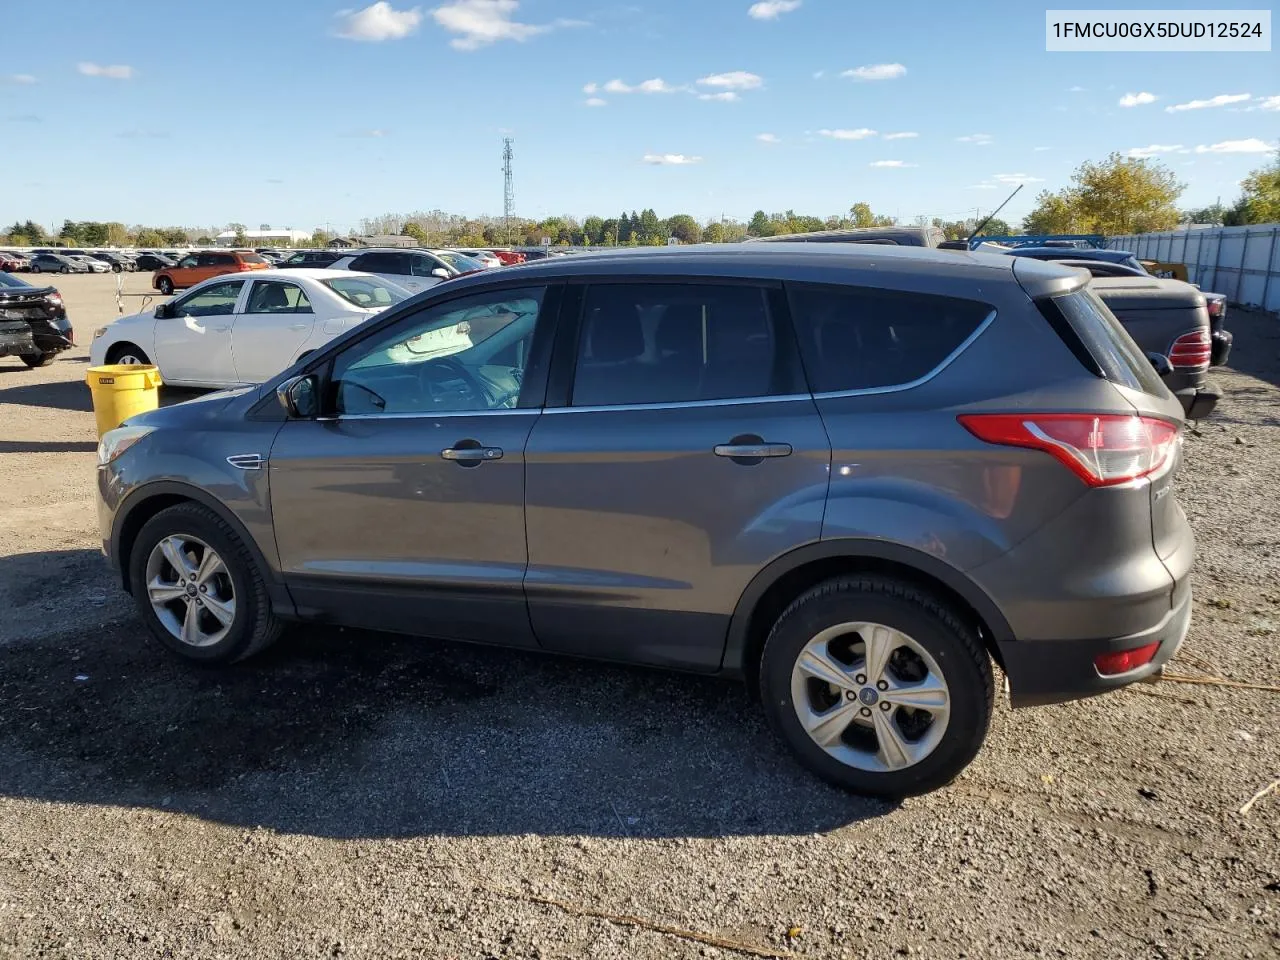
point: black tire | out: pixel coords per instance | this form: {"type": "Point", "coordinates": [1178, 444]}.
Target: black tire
{"type": "Point", "coordinates": [165, 286]}
{"type": "Point", "coordinates": [38, 359]}
{"type": "Point", "coordinates": [116, 268]}
{"type": "Point", "coordinates": [35, 268]}
{"type": "Point", "coordinates": [254, 626]}
{"type": "Point", "coordinates": [126, 349]}
{"type": "Point", "coordinates": [65, 270]}
{"type": "Point", "coordinates": [946, 636]}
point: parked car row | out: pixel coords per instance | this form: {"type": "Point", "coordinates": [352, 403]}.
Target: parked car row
{"type": "Point", "coordinates": [837, 473]}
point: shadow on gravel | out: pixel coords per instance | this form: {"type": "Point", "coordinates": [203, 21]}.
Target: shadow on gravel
{"type": "Point", "coordinates": [351, 734]}
{"type": "Point", "coordinates": [1256, 350]}
{"type": "Point", "coordinates": [62, 395]}
{"type": "Point", "coordinates": [48, 446]}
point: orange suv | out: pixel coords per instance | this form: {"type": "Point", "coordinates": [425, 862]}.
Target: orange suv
{"type": "Point", "coordinates": [195, 267]}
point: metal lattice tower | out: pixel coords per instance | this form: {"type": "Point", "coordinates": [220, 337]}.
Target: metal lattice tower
{"type": "Point", "coordinates": [508, 189]}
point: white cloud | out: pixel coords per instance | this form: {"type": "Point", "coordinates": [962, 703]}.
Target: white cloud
{"type": "Point", "coordinates": [1154, 149]}
{"type": "Point", "coordinates": [767, 138]}
{"type": "Point", "coordinates": [115, 72]}
{"type": "Point", "coordinates": [859, 134]}
{"type": "Point", "coordinates": [1041, 149]}
{"type": "Point", "coordinates": [890, 163]}
{"type": "Point", "coordinates": [734, 80]}
{"type": "Point", "coordinates": [590, 88]}
{"type": "Point", "coordinates": [728, 96]}
{"type": "Point", "coordinates": [378, 21]}
{"type": "Point", "coordinates": [595, 102]}
{"type": "Point", "coordinates": [1137, 99]}
{"type": "Point", "coordinates": [978, 139]}
{"type": "Point", "coordinates": [374, 134]}
{"type": "Point", "coordinates": [23, 78]}
{"type": "Point", "coordinates": [1221, 100]}
{"type": "Point", "coordinates": [616, 86]}
{"type": "Point", "coordinates": [819, 74]}
{"type": "Point", "coordinates": [771, 9]}
{"type": "Point", "coordinates": [1252, 145]}
{"type": "Point", "coordinates": [1013, 179]}
{"type": "Point", "coordinates": [1262, 103]}
{"type": "Point", "coordinates": [482, 22]}
{"type": "Point", "coordinates": [670, 159]}
{"type": "Point", "coordinates": [657, 85]}
{"type": "Point", "coordinates": [1076, 89]}
{"type": "Point", "coordinates": [904, 135]}
{"type": "Point", "coordinates": [876, 71]}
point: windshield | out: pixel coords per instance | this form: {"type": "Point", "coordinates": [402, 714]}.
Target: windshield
{"type": "Point", "coordinates": [459, 261]}
{"type": "Point", "coordinates": [366, 293]}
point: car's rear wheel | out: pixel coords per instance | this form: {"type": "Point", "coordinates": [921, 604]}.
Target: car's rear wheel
{"type": "Point", "coordinates": [198, 588]}
{"type": "Point", "coordinates": [65, 270]}
{"type": "Point", "coordinates": [877, 685]}
{"type": "Point", "coordinates": [126, 354]}
{"type": "Point", "coordinates": [35, 268]}
{"type": "Point", "coordinates": [165, 286]}
{"type": "Point", "coordinates": [116, 268]}
{"type": "Point", "coordinates": [38, 359]}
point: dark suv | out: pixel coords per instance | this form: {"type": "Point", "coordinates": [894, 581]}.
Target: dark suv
{"type": "Point", "coordinates": [852, 478]}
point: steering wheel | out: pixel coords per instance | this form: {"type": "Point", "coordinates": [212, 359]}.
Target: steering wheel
{"type": "Point", "coordinates": [430, 374]}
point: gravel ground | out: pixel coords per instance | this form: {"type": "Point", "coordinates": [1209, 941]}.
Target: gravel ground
{"type": "Point", "coordinates": [363, 796]}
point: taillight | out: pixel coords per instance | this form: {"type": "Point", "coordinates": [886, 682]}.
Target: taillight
{"type": "Point", "coordinates": [242, 266]}
{"type": "Point", "coordinates": [1100, 449]}
{"type": "Point", "coordinates": [1111, 664]}
{"type": "Point", "coordinates": [1214, 307]}
{"type": "Point", "coordinates": [1191, 351]}
{"type": "Point", "coordinates": [54, 298]}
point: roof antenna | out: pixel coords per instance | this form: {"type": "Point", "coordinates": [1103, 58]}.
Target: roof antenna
{"type": "Point", "coordinates": [978, 229]}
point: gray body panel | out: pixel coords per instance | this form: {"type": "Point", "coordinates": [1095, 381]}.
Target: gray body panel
{"type": "Point", "coordinates": [617, 532]}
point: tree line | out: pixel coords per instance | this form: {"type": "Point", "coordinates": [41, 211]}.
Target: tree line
{"type": "Point", "coordinates": [1116, 196]}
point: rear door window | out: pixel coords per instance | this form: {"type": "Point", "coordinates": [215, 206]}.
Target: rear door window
{"type": "Point", "coordinates": [858, 338]}
{"type": "Point", "coordinates": [1099, 341]}
{"type": "Point", "coordinates": [392, 263]}
{"type": "Point", "coordinates": [677, 343]}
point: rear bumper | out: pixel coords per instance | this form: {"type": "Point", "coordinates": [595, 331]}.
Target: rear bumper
{"type": "Point", "coordinates": [1221, 347]}
{"type": "Point", "coordinates": [1051, 671]}
{"type": "Point", "coordinates": [1199, 401]}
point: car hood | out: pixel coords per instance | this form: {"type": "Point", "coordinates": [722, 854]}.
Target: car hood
{"type": "Point", "coordinates": [190, 414]}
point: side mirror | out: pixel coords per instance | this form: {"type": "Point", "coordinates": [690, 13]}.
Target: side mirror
{"type": "Point", "coordinates": [298, 397]}
{"type": "Point", "coordinates": [1161, 363]}
{"type": "Point", "coordinates": [442, 273]}
{"type": "Point", "coordinates": [164, 311]}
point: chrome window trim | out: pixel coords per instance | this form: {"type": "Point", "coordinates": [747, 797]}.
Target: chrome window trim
{"type": "Point", "coordinates": [680, 404]}
{"type": "Point", "coordinates": [919, 381]}
{"type": "Point", "coordinates": [520, 411]}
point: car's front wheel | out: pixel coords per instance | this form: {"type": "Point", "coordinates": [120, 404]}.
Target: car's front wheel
{"type": "Point", "coordinates": [877, 685]}
{"type": "Point", "coordinates": [35, 268]}
{"type": "Point", "coordinates": [65, 270]}
{"type": "Point", "coordinates": [127, 354]}
{"type": "Point", "coordinates": [198, 588]}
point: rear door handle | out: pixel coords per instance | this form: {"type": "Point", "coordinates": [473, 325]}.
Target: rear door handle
{"type": "Point", "coordinates": [471, 455]}
{"type": "Point", "coordinates": [752, 450]}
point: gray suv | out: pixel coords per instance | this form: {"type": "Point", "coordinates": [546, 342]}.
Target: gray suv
{"type": "Point", "coordinates": [852, 478]}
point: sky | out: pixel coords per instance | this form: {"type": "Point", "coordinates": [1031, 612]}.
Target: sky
{"type": "Point", "coordinates": [314, 113]}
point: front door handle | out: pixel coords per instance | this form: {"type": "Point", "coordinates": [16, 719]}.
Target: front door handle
{"type": "Point", "coordinates": [469, 456]}
{"type": "Point", "coordinates": [752, 451]}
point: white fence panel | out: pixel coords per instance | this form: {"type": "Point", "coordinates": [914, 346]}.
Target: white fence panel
{"type": "Point", "coordinates": [1242, 262]}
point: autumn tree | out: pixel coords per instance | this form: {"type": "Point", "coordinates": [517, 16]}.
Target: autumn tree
{"type": "Point", "coordinates": [1127, 195]}
{"type": "Point", "coordinates": [1260, 202]}
{"type": "Point", "coordinates": [861, 215]}
{"type": "Point", "coordinates": [684, 228]}
{"type": "Point", "coordinates": [713, 232]}
{"type": "Point", "coordinates": [759, 225]}
{"type": "Point", "coordinates": [1053, 213]}
{"type": "Point", "coordinates": [414, 230]}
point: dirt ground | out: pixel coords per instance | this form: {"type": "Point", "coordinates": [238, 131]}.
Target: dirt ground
{"type": "Point", "coordinates": [357, 795]}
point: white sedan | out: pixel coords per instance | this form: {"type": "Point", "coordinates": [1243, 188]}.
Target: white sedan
{"type": "Point", "coordinates": [95, 265]}
{"type": "Point", "coordinates": [235, 329]}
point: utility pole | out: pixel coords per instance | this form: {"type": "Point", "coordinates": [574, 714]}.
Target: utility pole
{"type": "Point", "coordinates": [508, 189]}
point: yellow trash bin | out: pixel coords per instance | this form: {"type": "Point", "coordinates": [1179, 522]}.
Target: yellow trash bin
{"type": "Point", "coordinates": [121, 390]}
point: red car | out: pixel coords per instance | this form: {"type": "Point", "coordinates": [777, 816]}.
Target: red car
{"type": "Point", "coordinates": [507, 257]}
{"type": "Point", "coordinates": [14, 262]}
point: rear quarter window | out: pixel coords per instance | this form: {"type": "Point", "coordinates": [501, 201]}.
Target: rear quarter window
{"type": "Point", "coordinates": [858, 338]}
{"type": "Point", "coordinates": [251, 258]}
{"type": "Point", "coordinates": [1099, 340]}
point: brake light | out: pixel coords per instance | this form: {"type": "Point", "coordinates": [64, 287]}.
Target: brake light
{"type": "Point", "coordinates": [54, 298]}
{"type": "Point", "coordinates": [1214, 307]}
{"type": "Point", "coordinates": [1101, 449]}
{"type": "Point", "coordinates": [242, 266]}
{"type": "Point", "coordinates": [1191, 351]}
{"type": "Point", "coordinates": [1111, 664]}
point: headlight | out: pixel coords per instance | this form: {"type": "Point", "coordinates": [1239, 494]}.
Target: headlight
{"type": "Point", "coordinates": [117, 441]}
{"type": "Point", "coordinates": [99, 332]}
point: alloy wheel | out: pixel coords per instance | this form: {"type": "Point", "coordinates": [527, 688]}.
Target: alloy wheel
{"type": "Point", "coordinates": [870, 696]}
{"type": "Point", "coordinates": [190, 590]}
